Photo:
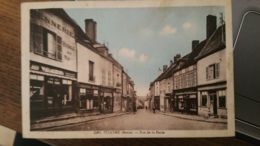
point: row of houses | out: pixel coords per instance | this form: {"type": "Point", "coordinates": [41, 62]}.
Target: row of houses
{"type": "Point", "coordinates": [196, 82]}
{"type": "Point", "coordinates": [70, 71]}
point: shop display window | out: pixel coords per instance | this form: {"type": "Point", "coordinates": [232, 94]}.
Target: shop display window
{"type": "Point", "coordinates": [36, 91]}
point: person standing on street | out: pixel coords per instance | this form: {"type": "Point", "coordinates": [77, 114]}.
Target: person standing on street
{"type": "Point", "coordinates": [153, 109]}
{"type": "Point", "coordinates": [134, 109]}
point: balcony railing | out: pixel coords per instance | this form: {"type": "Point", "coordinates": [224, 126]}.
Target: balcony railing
{"type": "Point", "coordinates": [92, 78]}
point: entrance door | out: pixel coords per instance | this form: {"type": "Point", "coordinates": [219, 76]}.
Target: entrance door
{"type": "Point", "coordinates": [213, 103]}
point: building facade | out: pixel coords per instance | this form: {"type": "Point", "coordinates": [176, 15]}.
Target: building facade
{"type": "Point", "coordinates": [185, 80]}
{"type": "Point", "coordinates": [89, 78]}
{"type": "Point", "coordinates": [212, 76]}
{"type": "Point", "coordinates": [53, 61]}
{"type": "Point", "coordinates": [118, 84]}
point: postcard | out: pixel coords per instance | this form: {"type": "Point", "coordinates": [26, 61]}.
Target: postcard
{"type": "Point", "coordinates": [127, 69]}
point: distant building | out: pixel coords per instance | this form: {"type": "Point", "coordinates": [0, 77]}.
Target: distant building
{"type": "Point", "coordinates": [117, 84]}
{"type": "Point", "coordinates": [128, 96]}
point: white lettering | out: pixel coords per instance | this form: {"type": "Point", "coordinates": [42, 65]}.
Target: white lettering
{"type": "Point", "coordinates": [35, 67]}
{"type": "Point", "coordinates": [53, 71]}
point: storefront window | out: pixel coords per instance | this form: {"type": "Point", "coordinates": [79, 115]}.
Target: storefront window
{"type": "Point", "coordinates": [204, 100]}
{"type": "Point", "coordinates": [36, 93]}
{"type": "Point", "coordinates": [95, 100]}
{"type": "Point", "coordinates": [222, 98]}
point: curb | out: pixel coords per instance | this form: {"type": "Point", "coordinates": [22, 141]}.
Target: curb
{"type": "Point", "coordinates": [86, 121]}
{"type": "Point", "coordinates": [53, 120]}
{"type": "Point", "coordinates": [193, 119]}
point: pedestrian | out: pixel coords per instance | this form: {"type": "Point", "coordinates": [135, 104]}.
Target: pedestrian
{"type": "Point", "coordinates": [153, 109]}
{"type": "Point", "coordinates": [134, 109]}
{"type": "Point", "coordinates": [145, 107]}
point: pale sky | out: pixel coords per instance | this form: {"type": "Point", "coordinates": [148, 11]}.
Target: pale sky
{"type": "Point", "coordinates": [145, 39]}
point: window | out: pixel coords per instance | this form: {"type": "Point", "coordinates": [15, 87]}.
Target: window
{"type": "Point", "coordinates": [204, 100]}
{"type": "Point", "coordinates": [222, 98]}
{"type": "Point", "coordinates": [169, 89]}
{"type": "Point", "coordinates": [91, 71]}
{"type": "Point", "coordinates": [109, 78]}
{"type": "Point", "coordinates": [45, 42]}
{"type": "Point", "coordinates": [103, 77]}
{"type": "Point", "coordinates": [212, 71]}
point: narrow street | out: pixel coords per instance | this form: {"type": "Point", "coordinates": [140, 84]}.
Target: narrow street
{"type": "Point", "coordinates": [143, 120]}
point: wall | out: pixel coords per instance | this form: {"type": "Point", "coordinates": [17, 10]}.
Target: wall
{"type": "Point", "coordinates": [107, 66]}
{"type": "Point", "coordinates": [69, 58]}
{"type": "Point", "coordinates": [218, 57]}
{"type": "Point", "coordinates": [84, 56]}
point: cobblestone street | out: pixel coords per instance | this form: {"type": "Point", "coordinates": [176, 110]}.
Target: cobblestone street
{"type": "Point", "coordinates": [144, 120]}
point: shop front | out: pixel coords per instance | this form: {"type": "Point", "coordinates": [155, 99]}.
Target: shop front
{"type": "Point", "coordinates": [186, 102]}
{"type": "Point", "coordinates": [51, 91]}
{"type": "Point", "coordinates": [157, 102]}
{"type": "Point", "coordinates": [117, 100]}
{"type": "Point", "coordinates": [125, 103]}
{"type": "Point", "coordinates": [212, 101]}
{"type": "Point", "coordinates": [88, 100]}
{"type": "Point", "coordinates": [106, 99]}
{"type": "Point", "coordinates": [168, 102]}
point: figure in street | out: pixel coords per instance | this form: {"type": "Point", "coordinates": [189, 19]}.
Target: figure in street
{"type": "Point", "coordinates": [134, 109]}
{"type": "Point", "coordinates": [153, 109]}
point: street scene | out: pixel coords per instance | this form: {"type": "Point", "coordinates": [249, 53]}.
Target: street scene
{"type": "Point", "coordinates": [165, 71]}
{"type": "Point", "coordinates": [145, 119]}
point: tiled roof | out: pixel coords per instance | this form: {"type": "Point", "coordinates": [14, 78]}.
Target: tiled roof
{"type": "Point", "coordinates": [170, 70]}
{"type": "Point", "coordinates": [215, 43]}
{"type": "Point", "coordinates": [191, 59]}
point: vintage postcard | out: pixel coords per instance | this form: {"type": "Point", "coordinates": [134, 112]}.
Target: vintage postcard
{"type": "Point", "coordinates": [124, 69]}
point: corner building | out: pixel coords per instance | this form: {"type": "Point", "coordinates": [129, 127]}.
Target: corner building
{"type": "Point", "coordinates": [53, 72]}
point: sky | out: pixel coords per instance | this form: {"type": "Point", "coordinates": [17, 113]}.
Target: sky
{"type": "Point", "coordinates": [145, 39]}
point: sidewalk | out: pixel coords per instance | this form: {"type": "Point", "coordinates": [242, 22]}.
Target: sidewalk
{"type": "Point", "coordinates": [194, 117]}
{"type": "Point", "coordinates": [69, 119]}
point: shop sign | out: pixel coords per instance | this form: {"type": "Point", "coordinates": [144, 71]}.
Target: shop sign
{"type": "Point", "coordinates": [88, 86]}
{"type": "Point", "coordinates": [35, 67]}
{"type": "Point", "coordinates": [53, 23]}
{"type": "Point", "coordinates": [52, 70]}
{"type": "Point", "coordinates": [72, 75]}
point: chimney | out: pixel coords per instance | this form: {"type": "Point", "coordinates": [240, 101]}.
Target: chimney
{"type": "Point", "coordinates": [194, 44]}
{"type": "Point", "coordinates": [165, 67]}
{"type": "Point", "coordinates": [171, 62]}
{"type": "Point", "coordinates": [177, 57]}
{"type": "Point", "coordinates": [90, 28]}
{"type": "Point", "coordinates": [211, 25]}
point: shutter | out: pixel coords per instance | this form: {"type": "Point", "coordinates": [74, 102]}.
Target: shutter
{"type": "Point", "coordinates": [38, 42]}
{"type": "Point", "coordinates": [216, 70]}
{"type": "Point", "coordinates": [31, 37]}
{"type": "Point", "coordinates": [207, 73]}
{"type": "Point", "coordinates": [59, 48]}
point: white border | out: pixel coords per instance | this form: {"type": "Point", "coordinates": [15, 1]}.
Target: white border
{"type": "Point", "coordinates": [25, 8]}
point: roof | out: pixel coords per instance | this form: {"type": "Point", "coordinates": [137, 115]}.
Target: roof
{"type": "Point", "coordinates": [214, 44]}
{"type": "Point", "coordinates": [191, 59]}
{"type": "Point", "coordinates": [170, 70]}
